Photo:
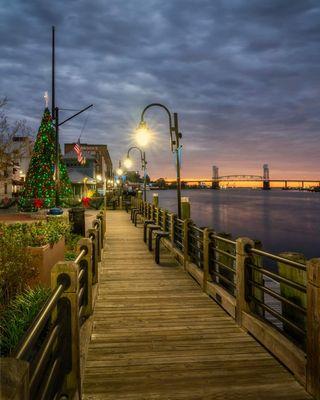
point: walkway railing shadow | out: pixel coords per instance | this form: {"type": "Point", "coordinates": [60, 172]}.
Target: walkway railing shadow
{"type": "Point", "coordinates": [275, 298]}
{"type": "Point", "coordinates": [47, 359]}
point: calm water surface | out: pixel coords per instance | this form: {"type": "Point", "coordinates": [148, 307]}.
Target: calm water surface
{"type": "Point", "coordinates": [282, 220]}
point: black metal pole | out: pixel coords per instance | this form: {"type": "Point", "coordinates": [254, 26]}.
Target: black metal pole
{"type": "Point", "coordinates": [144, 167]}
{"type": "Point", "coordinates": [57, 156]}
{"type": "Point", "coordinates": [74, 115]}
{"type": "Point", "coordinates": [53, 89]}
{"type": "Point", "coordinates": [176, 129]}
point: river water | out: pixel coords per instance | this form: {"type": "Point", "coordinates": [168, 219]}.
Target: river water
{"type": "Point", "coordinates": [282, 220]}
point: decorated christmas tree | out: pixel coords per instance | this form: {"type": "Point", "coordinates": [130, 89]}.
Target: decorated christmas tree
{"type": "Point", "coordinates": [40, 186]}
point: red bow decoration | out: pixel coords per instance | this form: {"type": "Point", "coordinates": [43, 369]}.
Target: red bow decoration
{"type": "Point", "coordinates": [86, 201]}
{"type": "Point", "coordinates": [38, 203]}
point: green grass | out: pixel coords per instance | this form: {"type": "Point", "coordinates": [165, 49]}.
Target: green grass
{"type": "Point", "coordinates": [18, 315]}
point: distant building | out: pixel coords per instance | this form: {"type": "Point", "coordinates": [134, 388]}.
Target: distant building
{"type": "Point", "coordinates": [94, 174]}
{"type": "Point", "coordinates": [215, 177]}
{"type": "Point", "coordinates": [266, 177]}
{"type": "Point", "coordinates": [215, 172]}
{"type": "Point", "coordinates": [13, 176]}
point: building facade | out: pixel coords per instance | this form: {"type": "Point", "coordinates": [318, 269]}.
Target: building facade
{"type": "Point", "coordinates": [92, 176]}
{"type": "Point", "coordinates": [12, 176]}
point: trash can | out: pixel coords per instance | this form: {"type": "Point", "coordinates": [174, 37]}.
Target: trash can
{"type": "Point", "coordinates": [76, 217]}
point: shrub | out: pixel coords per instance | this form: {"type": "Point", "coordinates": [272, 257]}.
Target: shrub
{"type": "Point", "coordinates": [47, 232]}
{"type": "Point", "coordinates": [18, 315]}
{"type": "Point", "coordinates": [15, 263]}
{"type": "Point", "coordinates": [70, 255]}
{"type": "Point", "coordinates": [72, 240]}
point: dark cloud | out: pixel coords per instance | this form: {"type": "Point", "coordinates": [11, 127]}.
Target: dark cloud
{"type": "Point", "coordinates": [243, 75]}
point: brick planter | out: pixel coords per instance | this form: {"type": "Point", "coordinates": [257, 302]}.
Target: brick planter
{"type": "Point", "coordinates": [44, 258]}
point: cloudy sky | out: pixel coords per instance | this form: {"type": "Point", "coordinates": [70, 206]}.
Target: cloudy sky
{"type": "Point", "coordinates": [244, 76]}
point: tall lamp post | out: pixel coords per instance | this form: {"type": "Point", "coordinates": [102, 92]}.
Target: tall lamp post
{"type": "Point", "coordinates": [128, 164]}
{"type": "Point", "coordinates": [175, 137]}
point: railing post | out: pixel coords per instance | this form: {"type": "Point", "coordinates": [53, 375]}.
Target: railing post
{"type": "Point", "coordinates": [92, 233]}
{"type": "Point", "coordinates": [98, 233]}
{"type": "Point", "coordinates": [185, 208]}
{"type": "Point", "coordinates": [206, 256]}
{"type": "Point", "coordinates": [70, 270]}
{"type": "Point", "coordinates": [313, 327]}
{"type": "Point", "coordinates": [186, 224]}
{"type": "Point", "coordinates": [157, 215]}
{"type": "Point", "coordinates": [86, 262]}
{"type": "Point", "coordinates": [102, 217]}
{"type": "Point", "coordinates": [172, 223]}
{"type": "Point", "coordinates": [14, 379]}
{"type": "Point", "coordinates": [99, 218]}
{"type": "Point", "coordinates": [241, 276]}
{"type": "Point", "coordinates": [155, 199]}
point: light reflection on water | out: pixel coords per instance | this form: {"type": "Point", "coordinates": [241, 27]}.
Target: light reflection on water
{"type": "Point", "coordinates": [282, 220]}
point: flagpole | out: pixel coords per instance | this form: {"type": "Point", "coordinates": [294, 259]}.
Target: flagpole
{"type": "Point", "coordinates": [53, 89]}
{"type": "Point", "coordinates": [55, 117]}
{"type": "Point", "coordinates": [57, 156]}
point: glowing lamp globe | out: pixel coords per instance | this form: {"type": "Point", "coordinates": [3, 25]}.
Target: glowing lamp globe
{"type": "Point", "coordinates": [119, 171]}
{"type": "Point", "coordinates": [128, 163]}
{"type": "Point", "coordinates": [142, 134]}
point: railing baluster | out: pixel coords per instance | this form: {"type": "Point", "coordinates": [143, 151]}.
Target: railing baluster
{"type": "Point", "coordinates": [241, 277]}
{"type": "Point", "coordinates": [206, 257]}
{"type": "Point", "coordinates": [185, 238]}
{"type": "Point", "coordinates": [172, 227]}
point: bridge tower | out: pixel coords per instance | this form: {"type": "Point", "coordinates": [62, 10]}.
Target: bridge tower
{"type": "Point", "coordinates": [266, 178]}
{"type": "Point", "coordinates": [215, 177]}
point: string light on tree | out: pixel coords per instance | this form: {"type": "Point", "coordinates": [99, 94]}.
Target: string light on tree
{"type": "Point", "coordinates": [40, 182]}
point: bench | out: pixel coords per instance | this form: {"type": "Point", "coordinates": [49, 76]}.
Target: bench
{"type": "Point", "coordinates": [159, 235]}
{"type": "Point", "coordinates": [151, 228]}
{"type": "Point", "coordinates": [145, 226]}
{"type": "Point", "coordinates": [133, 211]}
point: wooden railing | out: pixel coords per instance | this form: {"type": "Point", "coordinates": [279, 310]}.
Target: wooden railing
{"type": "Point", "coordinates": [49, 353]}
{"type": "Point", "coordinates": [273, 297]}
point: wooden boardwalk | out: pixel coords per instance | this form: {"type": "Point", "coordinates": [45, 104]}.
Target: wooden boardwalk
{"type": "Point", "coordinates": [157, 336]}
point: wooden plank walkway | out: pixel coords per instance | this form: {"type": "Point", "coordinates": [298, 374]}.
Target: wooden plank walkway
{"type": "Point", "coordinates": [157, 336]}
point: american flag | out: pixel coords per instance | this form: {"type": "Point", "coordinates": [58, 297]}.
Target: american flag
{"type": "Point", "coordinates": [78, 150]}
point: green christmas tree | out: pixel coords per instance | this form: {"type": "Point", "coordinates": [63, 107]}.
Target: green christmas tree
{"type": "Point", "coordinates": [40, 187]}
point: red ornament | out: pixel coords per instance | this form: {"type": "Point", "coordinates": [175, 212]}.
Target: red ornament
{"type": "Point", "coordinates": [86, 201]}
{"type": "Point", "coordinates": [38, 203]}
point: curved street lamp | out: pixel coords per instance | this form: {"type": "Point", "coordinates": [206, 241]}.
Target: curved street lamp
{"type": "Point", "coordinates": [175, 137]}
{"type": "Point", "coordinates": [128, 164]}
